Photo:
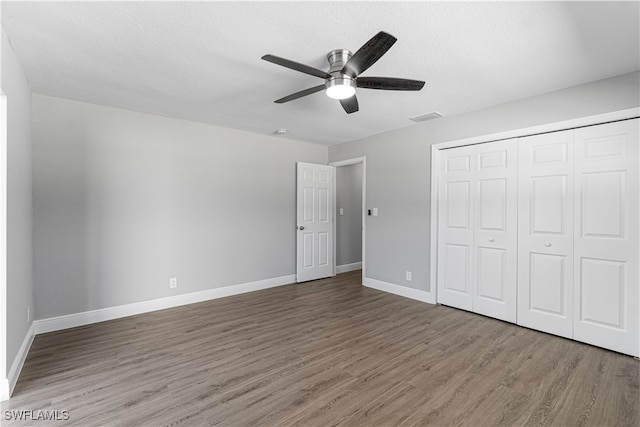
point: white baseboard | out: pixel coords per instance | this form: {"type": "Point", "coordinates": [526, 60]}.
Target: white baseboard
{"type": "Point", "coordinates": [344, 268]}
{"type": "Point", "coordinates": [88, 317]}
{"type": "Point", "coordinates": [9, 383]}
{"type": "Point", "coordinates": [403, 291]}
{"type": "Point", "coordinates": [4, 389]}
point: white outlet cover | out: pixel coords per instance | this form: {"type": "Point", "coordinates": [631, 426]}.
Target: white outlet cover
{"type": "Point", "coordinates": [375, 211]}
{"type": "Point", "coordinates": [408, 276]}
{"type": "Point", "coordinates": [341, 211]}
{"type": "Point", "coordinates": [173, 282]}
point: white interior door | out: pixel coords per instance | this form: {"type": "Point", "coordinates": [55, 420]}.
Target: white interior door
{"type": "Point", "coordinates": [545, 233]}
{"type": "Point", "coordinates": [477, 231]}
{"type": "Point", "coordinates": [314, 249]}
{"type": "Point", "coordinates": [495, 229]}
{"type": "Point", "coordinates": [577, 244]}
{"type": "Point", "coordinates": [455, 227]}
{"type": "Point", "coordinates": [606, 236]}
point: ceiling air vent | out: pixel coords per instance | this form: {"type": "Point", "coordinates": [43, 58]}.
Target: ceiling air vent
{"type": "Point", "coordinates": [425, 117]}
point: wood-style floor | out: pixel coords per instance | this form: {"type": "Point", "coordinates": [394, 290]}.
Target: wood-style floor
{"type": "Point", "coordinates": [323, 353]}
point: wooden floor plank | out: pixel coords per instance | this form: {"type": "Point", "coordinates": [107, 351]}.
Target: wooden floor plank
{"type": "Point", "coordinates": [328, 352]}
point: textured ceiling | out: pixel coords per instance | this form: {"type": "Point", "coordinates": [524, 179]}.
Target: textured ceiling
{"type": "Point", "coordinates": [201, 60]}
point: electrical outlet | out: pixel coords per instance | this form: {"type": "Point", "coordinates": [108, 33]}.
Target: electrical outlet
{"type": "Point", "coordinates": [341, 211]}
{"type": "Point", "coordinates": [173, 282]}
{"type": "Point", "coordinates": [375, 211]}
{"type": "Point", "coordinates": [408, 276]}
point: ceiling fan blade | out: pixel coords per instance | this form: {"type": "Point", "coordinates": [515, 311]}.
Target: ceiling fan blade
{"type": "Point", "coordinates": [350, 105]}
{"type": "Point", "coordinates": [300, 94]}
{"type": "Point", "coordinates": [297, 66]}
{"type": "Point", "coordinates": [368, 54]}
{"type": "Point", "coordinates": [388, 83]}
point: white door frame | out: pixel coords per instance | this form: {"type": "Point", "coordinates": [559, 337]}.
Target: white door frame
{"type": "Point", "coordinates": [349, 162]}
{"type": "Point", "coordinates": [4, 381]}
{"type": "Point", "coordinates": [517, 133]}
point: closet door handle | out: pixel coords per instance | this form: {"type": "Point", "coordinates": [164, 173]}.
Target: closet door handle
{"type": "Point", "coordinates": [547, 244]}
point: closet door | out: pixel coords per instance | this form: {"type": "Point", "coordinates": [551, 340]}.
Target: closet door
{"type": "Point", "coordinates": [455, 230]}
{"type": "Point", "coordinates": [606, 229]}
{"type": "Point", "coordinates": [495, 230]}
{"type": "Point", "coordinates": [545, 232]}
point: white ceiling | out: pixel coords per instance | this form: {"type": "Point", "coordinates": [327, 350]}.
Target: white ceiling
{"type": "Point", "coordinates": [201, 60]}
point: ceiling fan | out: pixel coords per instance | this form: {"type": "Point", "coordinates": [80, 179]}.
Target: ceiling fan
{"type": "Point", "coordinates": [341, 80]}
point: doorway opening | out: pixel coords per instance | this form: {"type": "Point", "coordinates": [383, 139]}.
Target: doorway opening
{"type": "Point", "coordinates": [349, 224]}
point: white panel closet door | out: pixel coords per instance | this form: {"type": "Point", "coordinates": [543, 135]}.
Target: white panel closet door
{"type": "Point", "coordinates": [477, 232]}
{"type": "Point", "coordinates": [495, 229]}
{"type": "Point", "coordinates": [545, 233]}
{"type": "Point", "coordinates": [455, 230]}
{"type": "Point", "coordinates": [606, 231]}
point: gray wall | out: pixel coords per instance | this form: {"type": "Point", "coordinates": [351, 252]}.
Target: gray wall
{"type": "Point", "coordinates": [349, 225]}
{"type": "Point", "coordinates": [124, 201]}
{"type": "Point", "coordinates": [399, 163]}
{"type": "Point", "coordinates": [19, 201]}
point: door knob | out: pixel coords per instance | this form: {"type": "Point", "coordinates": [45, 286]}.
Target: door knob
{"type": "Point", "coordinates": [548, 244]}
{"type": "Point", "coordinates": [301, 227]}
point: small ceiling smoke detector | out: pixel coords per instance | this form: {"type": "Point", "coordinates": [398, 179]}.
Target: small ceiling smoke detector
{"type": "Point", "coordinates": [280, 131]}
{"type": "Point", "coordinates": [424, 117]}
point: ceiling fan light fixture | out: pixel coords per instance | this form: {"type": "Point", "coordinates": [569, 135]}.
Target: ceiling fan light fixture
{"type": "Point", "coordinates": [340, 87]}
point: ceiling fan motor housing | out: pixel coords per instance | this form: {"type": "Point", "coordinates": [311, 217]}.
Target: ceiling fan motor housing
{"type": "Point", "coordinates": [337, 58]}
